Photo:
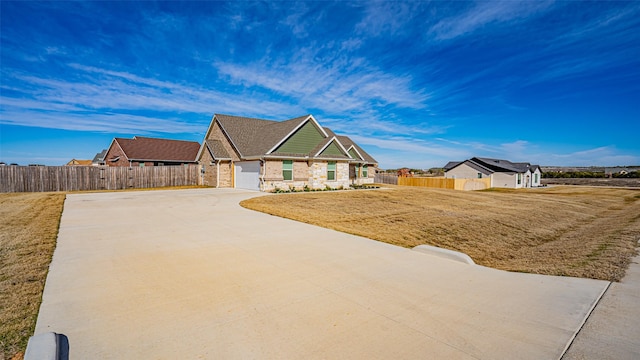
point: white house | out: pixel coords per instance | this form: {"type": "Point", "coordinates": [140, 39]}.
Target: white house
{"type": "Point", "coordinates": [503, 173]}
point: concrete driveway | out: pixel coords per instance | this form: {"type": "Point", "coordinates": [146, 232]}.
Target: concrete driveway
{"type": "Point", "coordinates": [190, 274]}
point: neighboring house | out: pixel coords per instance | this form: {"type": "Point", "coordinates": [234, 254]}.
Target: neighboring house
{"type": "Point", "coordinates": [267, 155]}
{"type": "Point", "coordinates": [144, 151]}
{"type": "Point", "coordinates": [76, 162]}
{"type": "Point", "coordinates": [503, 173]}
{"type": "Point", "coordinates": [619, 170]}
{"type": "Point", "coordinates": [98, 160]}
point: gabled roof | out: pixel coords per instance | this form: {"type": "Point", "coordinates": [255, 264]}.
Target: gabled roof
{"type": "Point", "coordinates": [494, 165]}
{"type": "Point", "coordinates": [76, 162]}
{"type": "Point", "coordinates": [498, 165]}
{"type": "Point", "coordinates": [298, 122]}
{"type": "Point", "coordinates": [152, 149]}
{"type": "Point", "coordinates": [349, 144]}
{"type": "Point", "coordinates": [217, 150]}
{"type": "Point", "coordinates": [253, 138]}
{"type": "Point", "coordinates": [99, 157]}
{"type": "Point", "coordinates": [471, 163]}
{"type": "Point", "coordinates": [331, 138]}
{"type": "Point", "coordinates": [451, 164]}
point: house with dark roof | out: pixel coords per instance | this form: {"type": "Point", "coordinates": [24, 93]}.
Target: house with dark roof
{"type": "Point", "coordinates": [258, 154]}
{"type": "Point", "coordinates": [98, 160]}
{"type": "Point", "coordinates": [503, 173]}
{"type": "Point", "coordinates": [144, 151]}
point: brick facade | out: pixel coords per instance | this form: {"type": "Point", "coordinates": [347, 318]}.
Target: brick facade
{"type": "Point", "coordinates": [309, 171]}
{"type": "Point", "coordinates": [115, 151]}
{"type": "Point", "coordinates": [209, 177]}
{"type": "Point", "coordinates": [357, 179]}
{"type": "Point", "coordinates": [310, 174]}
{"type": "Point", "coordinates": [224, 169]}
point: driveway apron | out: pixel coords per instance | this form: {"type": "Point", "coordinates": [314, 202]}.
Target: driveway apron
{"type": "Point", "coordinates": [190, 274]}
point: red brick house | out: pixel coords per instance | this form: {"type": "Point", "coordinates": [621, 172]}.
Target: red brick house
{"type": "Point", "coordinates": [144, 151]}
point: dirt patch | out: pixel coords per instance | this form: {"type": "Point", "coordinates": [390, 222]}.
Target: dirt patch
{"type": "Point", "coordinates": [569, 231]}
{"type": "Point", "coordinates": [28, 230]}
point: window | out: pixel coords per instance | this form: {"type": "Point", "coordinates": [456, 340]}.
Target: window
{"type": "Point", "coordinates": [141, 164]}
{"type": "Point", "coordinates": [331, 170]}
{"type": "Point", "coordinates": [357, 171]}
{"type": "Point", "coordinates": [287, 169]}
{"type": "Point", "coordinates": [365, 171]}
{"type": "Point", "coordinates": [479, 175]}
{"type": "Point", "coordinates": [519, 179]}
{"type": "Point", "coordinates": [535, 178]}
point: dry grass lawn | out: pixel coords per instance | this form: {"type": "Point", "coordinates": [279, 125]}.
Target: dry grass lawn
{"type": "Point", "coordinates": [28, 230]}
{"type": "Point", "coordinates": [568, 231]}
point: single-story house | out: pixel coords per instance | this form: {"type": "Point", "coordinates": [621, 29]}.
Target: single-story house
{"type": "Point", "coordinates": [266, 155]}
{"type": "Point", "coordinates": [144, 151]}
{"type": "Point", "coordinates": [503, 173]}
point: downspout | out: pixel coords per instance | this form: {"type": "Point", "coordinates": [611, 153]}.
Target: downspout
{"type": "Point", "coordinates": [263, 166]}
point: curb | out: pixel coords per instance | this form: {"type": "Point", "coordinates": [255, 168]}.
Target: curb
{"type": "Point", "coordinates": [47, 346]}
{"type": "Point", "coordinates": [445, 253]}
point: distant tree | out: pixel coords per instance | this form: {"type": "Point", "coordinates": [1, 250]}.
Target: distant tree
{"type": "Point", "coordinates": [573, 174]}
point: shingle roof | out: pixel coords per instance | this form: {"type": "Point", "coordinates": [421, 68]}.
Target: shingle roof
{"type": "Point", "coordinates": [152, 149]}
{"type": "Point", "coordinates": [99, 157]}
{"type": "Point", "coordinates": [496, 165]}
{"type": "Point", "coordinates": [478, 166]}
{"type": "Point", "coordinates": [348, 143]}
{"type": "Point", "coordinates": [77, 162]}
{"type": "Point", "coordinates": [499, 165]}
{"type": "Point", "coordinates": [218, 151]}
{"type": "Point", "coordinates": [451, 164]}
{"type": "Point", "coordinates": [254, 137]}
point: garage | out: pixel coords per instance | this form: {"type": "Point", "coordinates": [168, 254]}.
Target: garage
{"type": "Point", "coordinates": [247, 175]}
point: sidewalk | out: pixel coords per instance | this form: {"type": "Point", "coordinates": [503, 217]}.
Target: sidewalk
{"type": "Point", "coordinates": [613, 329]}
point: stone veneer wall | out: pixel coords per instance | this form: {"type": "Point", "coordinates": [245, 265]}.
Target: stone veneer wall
{"type": "Point", "coordinates": [318, 175]}
{"type": "Point", "coordinates": [313, 175]}
{"type": "Point", "coordinates": [225, 174]}
{"type": "Point", "coordinates": [210, 173]}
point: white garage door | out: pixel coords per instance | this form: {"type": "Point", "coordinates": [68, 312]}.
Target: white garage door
{"type": "Point", "coordinates": [247, 175]}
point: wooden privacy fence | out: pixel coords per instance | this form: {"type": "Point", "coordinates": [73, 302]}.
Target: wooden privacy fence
{"type": "Point", "coordinates": [75, 178]}
{"type": "Point", "coordinates": [441, 183]}
{"type": "Point", "coordinates": [386, 178]}
{"type": "Point", "coordinates": [444, 183]}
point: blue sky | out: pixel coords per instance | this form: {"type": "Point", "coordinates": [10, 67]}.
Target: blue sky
{"type": "Point", "coordinates": [416, 84]}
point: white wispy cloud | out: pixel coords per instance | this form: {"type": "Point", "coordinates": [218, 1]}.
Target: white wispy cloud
{"type": "Point", "coordinates": [412, 145]}
{"type": "Point", "coordinates": [108, 101]}
{"type": "Point", "coordinates": [485, 13]}
{"type": "Point", "coordinates": [334, 87]}
{"type": "Point", "coordinates": [387, 17]}
{"type": "Point", "coordinates": [100, 122]}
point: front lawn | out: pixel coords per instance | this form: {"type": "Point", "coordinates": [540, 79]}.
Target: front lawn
{"type": "Point", "coordinates": [28, 230]}
{"type": "Point", "coordinates": [568, 231]}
